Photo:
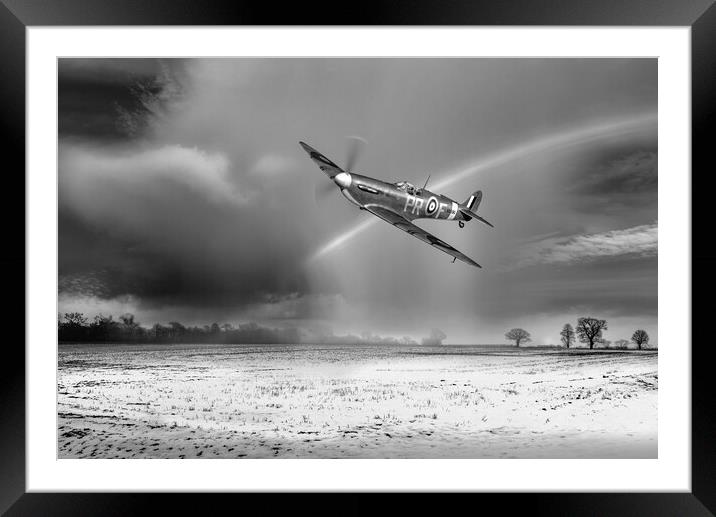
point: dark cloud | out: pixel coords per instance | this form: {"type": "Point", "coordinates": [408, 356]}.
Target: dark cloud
{"type": "Point", "coordinates": [88, 108]}
{"type": "Point", "coordinates": [106, 99]}
{"type": "Point", "coordinates": [632, 174]}
{"type": "Point", "coordinates": [110, 70]}
{"type": "Point", "coordinates": [183, 194]}
{"type": "Point", "coordinates": [622, 180]}
{"type": "Point", "coordinates": [170, 226]}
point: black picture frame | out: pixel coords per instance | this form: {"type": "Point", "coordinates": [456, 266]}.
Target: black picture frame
{"type": "Point", "coordinates": [17, 15]}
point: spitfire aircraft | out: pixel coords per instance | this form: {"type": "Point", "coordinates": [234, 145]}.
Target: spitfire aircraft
{"type": "Point", "coordinates": [400, 203]}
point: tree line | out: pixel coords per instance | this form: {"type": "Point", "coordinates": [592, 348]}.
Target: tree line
{"type": "Point", "coordinates": [75, 327]}
{"type": "Point", "coordinates": [588, 331]}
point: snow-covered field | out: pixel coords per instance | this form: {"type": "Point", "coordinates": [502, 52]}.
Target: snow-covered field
{"type": "Point", "coordinates": [319, 401]}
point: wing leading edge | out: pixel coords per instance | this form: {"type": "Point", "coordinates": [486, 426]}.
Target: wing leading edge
{"type": "Point", "coordinates": [400, 222]}
{"type": "Point", "coordinates": [326, 165]}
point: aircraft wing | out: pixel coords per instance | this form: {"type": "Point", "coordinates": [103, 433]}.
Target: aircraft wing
{"type": "Point", "coordinates": [326, 165]}
{"type": "Point", "coordinates": [400, 222]}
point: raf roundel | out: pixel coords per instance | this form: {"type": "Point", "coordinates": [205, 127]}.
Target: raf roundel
{"type": "Point", "coordinates": [432, 206]}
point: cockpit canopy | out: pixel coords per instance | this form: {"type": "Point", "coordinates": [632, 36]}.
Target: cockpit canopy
{"type": "Point", "coordinates": [408, 187]}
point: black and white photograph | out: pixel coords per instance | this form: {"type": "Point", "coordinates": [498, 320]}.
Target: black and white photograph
{"type": "Point", "coordinates": [348, 258]}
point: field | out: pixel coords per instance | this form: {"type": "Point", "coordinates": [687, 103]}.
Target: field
{"type": "Point", "coordinates": [320, 401]}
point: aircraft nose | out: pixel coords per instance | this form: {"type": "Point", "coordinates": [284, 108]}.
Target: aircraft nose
{"type": "Point", "coordinates": [343, 179]}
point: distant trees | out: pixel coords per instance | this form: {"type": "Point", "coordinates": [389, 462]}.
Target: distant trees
{"type": "Point", "coordinates": [640, 337]}
{"type": "Point", "coordinates": [518, 336]}
{"type": "Point", "coordinates": [621, 343]}
{"type": "Point", "coordinates": [74, 328]}
{"type": "Point", "coordinates": [129, 327]}
{"type": "Point", "coordinates": [175, 330]}
{"type": "Point", "coordinates": [567, 335]}
{"type": "Point", "coordinates": [75, 319]}
{"type": "Point", "coordinates": [128, 319]}
{"type": "Point", "coordinates": [103, 328]}
{"type": "Point", "coordinates": [74, 325]}
{"type": "Point", "coordinates": [590, 330]}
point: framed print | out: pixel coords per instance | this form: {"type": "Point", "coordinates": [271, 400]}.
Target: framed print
{"type": "Point", "coordinates": [441, 250]}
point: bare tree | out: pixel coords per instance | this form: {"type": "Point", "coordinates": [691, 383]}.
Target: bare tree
{"type": "Point", "coordinates": [104, 327]}
{"type": "Point", "coordinates": [127, 319]}
{"type": "Point", "coordinates": [640, 337]}
{"type": "Point", "coordinates": [130, 328]}
{"type": "Point", "coordinates": [159, 331]}
{"type": "Point", "coordinates": [73, 328]}
{"type": "Point", "coordinates": [567, 335]}
{"type": "Point", "coordinates": [518, 336]}
{"type": "Point", "coordinates": [590, 329]}
{"type": "Point", "coordinates": [75, 319]}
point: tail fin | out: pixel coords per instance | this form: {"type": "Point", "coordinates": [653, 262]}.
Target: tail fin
{"type": "Point", "coordinates": [469, 207]}
{"type": "Point", "coordinates": [473, 202]}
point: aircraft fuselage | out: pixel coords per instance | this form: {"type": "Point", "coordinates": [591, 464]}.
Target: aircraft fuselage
{"type": "Point", "coordinates": [409, 201]}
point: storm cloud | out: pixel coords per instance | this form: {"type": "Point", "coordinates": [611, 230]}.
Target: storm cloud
{"type": "Point", "coordinates": [183, 193]}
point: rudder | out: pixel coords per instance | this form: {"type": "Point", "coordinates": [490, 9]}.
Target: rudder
{"type": "Point", "coordinates": [473, 202]}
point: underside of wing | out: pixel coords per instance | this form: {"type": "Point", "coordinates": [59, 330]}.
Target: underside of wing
{"type": "Point", "coordinates": [326, 165]}
{"type": "Point", "coordinates": [400, 222]}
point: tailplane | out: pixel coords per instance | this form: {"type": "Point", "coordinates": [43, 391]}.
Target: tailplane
{"type": "Point", "coordinates": [469, 207]}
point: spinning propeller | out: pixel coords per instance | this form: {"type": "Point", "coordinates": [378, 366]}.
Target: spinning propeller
{"type": "Point", "coordinates": [356, 146]}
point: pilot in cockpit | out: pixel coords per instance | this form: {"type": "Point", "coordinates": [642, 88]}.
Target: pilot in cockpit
{"type": "Point", "coordinates": [408, 187]}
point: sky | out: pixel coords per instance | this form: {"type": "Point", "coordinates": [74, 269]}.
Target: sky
{"type": "Point", "coordinates": [184, 195]}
